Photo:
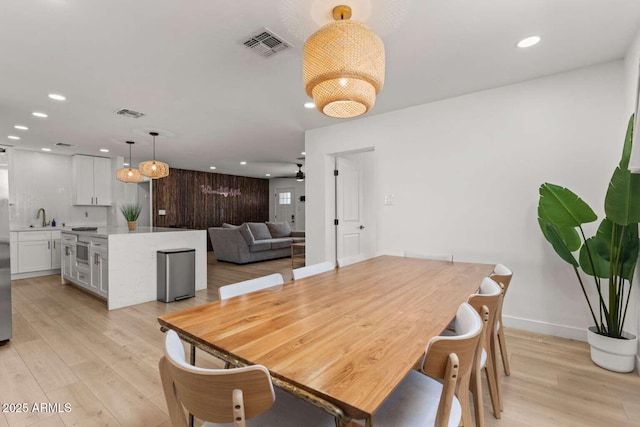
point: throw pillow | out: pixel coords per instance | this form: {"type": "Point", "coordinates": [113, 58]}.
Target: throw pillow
{"type": "Point", "coordinates": [279, 229]}
{"type": "Point", "coordinates": [227, 225]}
{"type": "Point", "coordinates": [246, 233]}
{"type": "Point", "coordinates": [259, 230]}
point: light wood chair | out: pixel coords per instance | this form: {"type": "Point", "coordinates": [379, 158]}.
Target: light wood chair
{"type": "Point", "coordinates": [229, 395]}
{"type": "Point", "coordinates": [312, 270]}
{"type": "Point", "coordinates": [435, 257]}
{"type": "Point", "coordinates": [486, 303]}
{"type": "Point", "coordinates": [502, 275]}
{"type": "Point", "coordinates": [343, 262]}
{"type": "Point", "coordinates": [241, 288]}
{"type": "Point", "coordinates": [422, 400]}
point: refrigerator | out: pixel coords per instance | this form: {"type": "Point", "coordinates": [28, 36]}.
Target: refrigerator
{"type": "Point", "coordinates": [5, 251]}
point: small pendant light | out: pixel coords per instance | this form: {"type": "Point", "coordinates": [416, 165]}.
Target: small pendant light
{"type": "Point", "coordinates": [153, 168]}
{"type": "Point", "coordinates": [129, 175]}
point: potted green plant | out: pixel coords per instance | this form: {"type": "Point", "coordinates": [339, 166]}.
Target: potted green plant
{"type": "Point", "coordinates": [131, 213]}
{"type": "Point", "coordinates": [609, 257]}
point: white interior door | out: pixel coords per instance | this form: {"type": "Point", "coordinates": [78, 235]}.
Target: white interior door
{"type": "Point", "coordinates": [354, 221]}
{"type": "Point", "coordinates": [285, 206]}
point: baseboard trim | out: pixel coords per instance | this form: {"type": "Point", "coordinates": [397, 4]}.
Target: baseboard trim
{"type": "Point", "coordinates": [563, 331]}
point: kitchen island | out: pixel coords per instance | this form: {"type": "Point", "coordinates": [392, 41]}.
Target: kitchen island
{"type": "Point", "coordinates": [120, 265]}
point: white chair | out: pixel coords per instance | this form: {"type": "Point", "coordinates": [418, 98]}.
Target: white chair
{"type": "Point", "coordinates": [241, 288]}
{"type": "Point", "coordinates": [435, 257]}
{"type": "Point", "coordinates": [343, 262]}
{"type": "Point", "coordinates": [486, 303]}
{"type": "Point", "coordinates": [311, 270]}
{"type": "Point", "coordinates": [502, 275]}
{"type": "Point", "coordinates": [229, 395]}
{"type": "Point", "coordinates": [421, 400]}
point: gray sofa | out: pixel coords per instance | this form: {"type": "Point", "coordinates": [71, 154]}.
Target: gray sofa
{"type": "Point", "coordinates": [253, 241]}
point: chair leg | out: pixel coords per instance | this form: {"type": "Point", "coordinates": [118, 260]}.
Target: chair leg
{"type": "Point", "coordinates": [463, 397]}
{"type": "Point", "coordinates": [503, 351]}
{"type": "Point", "coordinates": [495, 371]}
{"type": "Point", "coordinates": [476, 389]}
{"type": "Point", "coordinates": [492, 382]}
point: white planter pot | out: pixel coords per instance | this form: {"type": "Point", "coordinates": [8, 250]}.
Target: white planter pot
{"type": "Point", "coordinates": [612, 353]}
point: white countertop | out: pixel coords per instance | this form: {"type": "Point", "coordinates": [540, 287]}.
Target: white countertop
{"type": "Point", "coordinates": [112, 230]}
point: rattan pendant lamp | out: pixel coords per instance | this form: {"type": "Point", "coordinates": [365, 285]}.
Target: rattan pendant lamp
{"type": "Point", "coordinates": [343, 66]}
{"type": "Point", "coordinates": [153, 168]}
{"type": "Point", "coordinates": [129, 175]}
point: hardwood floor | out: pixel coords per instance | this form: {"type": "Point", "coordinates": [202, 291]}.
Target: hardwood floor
{"type": "Point", "coordinates": [68, 349]}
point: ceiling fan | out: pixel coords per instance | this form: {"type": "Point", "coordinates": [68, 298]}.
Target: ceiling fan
{"type": "Point", "coordinates": [299, 176]}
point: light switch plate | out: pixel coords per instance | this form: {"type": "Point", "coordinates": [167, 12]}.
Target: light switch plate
{"type": "Point", "coordinates": [388, 199]}
{"type": "Point", "coordinates": [162, 212]}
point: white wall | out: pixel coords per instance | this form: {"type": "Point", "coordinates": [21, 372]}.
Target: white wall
{"type": "Point", "coordinates": [465, 174]}
{"type": "Point", "coordinates": [43, 180]}
{"type": "Point", "coordinates": [299, 189]}
{"type": "Point", "coordinates": [632, 64]}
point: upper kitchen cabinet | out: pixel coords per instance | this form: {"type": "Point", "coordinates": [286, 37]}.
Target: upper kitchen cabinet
{"type": "Point", "coordinates": [91, 180]}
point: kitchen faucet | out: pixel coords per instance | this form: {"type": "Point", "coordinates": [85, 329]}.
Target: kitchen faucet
{"type": "Point", "coordinates": [44, 217]}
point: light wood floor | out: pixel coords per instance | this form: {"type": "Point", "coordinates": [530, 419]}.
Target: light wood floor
{"type": "Point", "coordinates": [67, 348]}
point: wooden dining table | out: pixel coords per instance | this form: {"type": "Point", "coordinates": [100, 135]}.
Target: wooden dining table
{"type": "Point", "coordinates": [343, 339]}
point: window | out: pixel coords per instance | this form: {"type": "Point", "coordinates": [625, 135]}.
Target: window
{"type": "Point", "coordinates": [284, 198]}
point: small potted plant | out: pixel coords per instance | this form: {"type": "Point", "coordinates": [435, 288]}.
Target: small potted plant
{"type": "Point", "coordinates": [609, 257]}
{"type": "Point", "coordinates": [131, 213]}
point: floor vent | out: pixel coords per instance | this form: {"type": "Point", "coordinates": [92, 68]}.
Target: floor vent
{"type": "Point", "coordinates": [265, 43]}
{"type": "Point", "coordinates": [129, 113]}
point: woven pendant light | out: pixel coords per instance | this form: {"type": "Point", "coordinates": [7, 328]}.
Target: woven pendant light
{"type": "Point", "coordinates": [153, 168]}
{"type": "Point", "coordinates": [129, 175]}
{"type": "Point", "coordinates": [343, 66]}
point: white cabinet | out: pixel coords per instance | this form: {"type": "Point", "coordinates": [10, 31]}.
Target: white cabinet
{"type": "Point", "coordinates": [68, 256]}
{"type": "Point", "coordinates": [37, 251]}
{"type": "Point", "coordinates": [91, 180]}
{"type": "Point", "coordinates": [13, 238]}
{"type": "Point", "coordinates": [99, 260]}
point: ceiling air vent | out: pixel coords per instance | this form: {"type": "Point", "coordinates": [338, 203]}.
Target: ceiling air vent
{"type": "Point", "coordinates": [129, 113]}
{"type": "Point", "coordinates": [64, 144]}
{"type": "Point", "coordinates": [265, 43]}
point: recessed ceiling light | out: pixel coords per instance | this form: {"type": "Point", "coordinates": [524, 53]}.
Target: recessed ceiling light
{"type": "Point", "coordinates": [57, 97]}
{"type": "Point", "coordinates": [125, 164]}
{"type": "Point", "coordinates": [243, 163]}
{"type": "Point", "coordinates": [212, 167]}
{"type": "Point", "coordinates": [21, 127]}
{"type": "Point", "coordinates": [304, 153]}
{"type": "Point", "coordinates": [268, 174]}
{"type": "Point", "coordinates": [13, 137]}
{"type": "Point", "coordinates": [529, 41]}
{"type": "Point", "coordinates": [46, 149]}
{"type": "Point", "coordinates": [309, 105]}
{"type": "Point", "coordinates": [38, 114]}
{"type": "Point", "coordinates": [104, 150]}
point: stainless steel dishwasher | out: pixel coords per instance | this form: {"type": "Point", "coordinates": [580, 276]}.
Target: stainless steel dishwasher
{"type": "Point", "coordinates": [176, 274]}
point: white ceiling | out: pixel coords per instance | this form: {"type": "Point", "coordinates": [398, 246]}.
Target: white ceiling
{"type": "Point", "coordinates": [182, 63]}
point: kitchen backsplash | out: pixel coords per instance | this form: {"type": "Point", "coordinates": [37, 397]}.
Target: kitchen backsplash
{"type": "Point", "coordinates": [43, 180]}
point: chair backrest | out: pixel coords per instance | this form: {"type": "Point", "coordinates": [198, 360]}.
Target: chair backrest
{"type": "Point", "coordinates": [241, 288]}
{"type": "Point", "coordinates": [451, 359]}
{"type": "Point", "coordinates": [502, 275]}
{"type": "Point", "coordinates": [216, 395]}
{"type": "Point", "coordinates": [343, 262]}
{"type": "Point", "coordinates": [310, 270]}
{"type": "Point", "coordinates": [490, 297]}
{"type": "Point", "coordinates": [435, 257]}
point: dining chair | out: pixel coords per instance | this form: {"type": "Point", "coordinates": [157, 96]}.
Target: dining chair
{"type": "Point", "coordinates": [225, 396]}
{"type": "Point", "coordinates": [502, 275]}
{"type": "Point", "coordinates": [486, 302]}
{"type": "Point", "coordinates": [434, 257]}
{"type": "Point", "coordinates": [241, 288]}
{"type": "Point", "coordinates": [427, 398]}
{"type": "Point", "coordinates": [343, 262]}
{"type": "Point", "coordinates": [311, 270]}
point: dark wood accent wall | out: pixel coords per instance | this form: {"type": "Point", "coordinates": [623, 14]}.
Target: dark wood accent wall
{"type": "Point", "coordinates": [180, 195]}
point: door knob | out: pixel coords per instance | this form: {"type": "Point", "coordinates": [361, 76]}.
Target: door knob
{"type": "Point", "coordinates": [362, 227]}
